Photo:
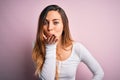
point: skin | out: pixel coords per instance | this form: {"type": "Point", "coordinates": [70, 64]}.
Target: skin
{"type": "Point", "coordinates": [53, 28]}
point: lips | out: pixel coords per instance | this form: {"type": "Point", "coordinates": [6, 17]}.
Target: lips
{"type": "Point", "coordinates": [49, 34]}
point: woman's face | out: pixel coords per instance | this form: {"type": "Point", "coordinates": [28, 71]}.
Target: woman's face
{"type": "Point", "coordinates": [53, 24]}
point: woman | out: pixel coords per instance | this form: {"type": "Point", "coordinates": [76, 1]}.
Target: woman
{"type": "Point", "coordinates": [55, 54]}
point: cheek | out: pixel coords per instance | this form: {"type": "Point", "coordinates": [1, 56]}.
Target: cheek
{"type": "Point", "coordinates": [59, 31]}
{"type": "Point", "coordinates": [44, 29]}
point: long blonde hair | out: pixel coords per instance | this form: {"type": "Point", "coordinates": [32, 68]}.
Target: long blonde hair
{"type": "Point", "coordinates": [38, 54]}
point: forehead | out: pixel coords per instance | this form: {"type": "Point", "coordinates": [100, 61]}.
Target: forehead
{"type": "Point", "coordinates": [53, 15]}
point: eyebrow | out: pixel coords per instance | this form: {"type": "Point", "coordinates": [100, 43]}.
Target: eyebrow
{"type": "Point", "coordinates": [53, 19]}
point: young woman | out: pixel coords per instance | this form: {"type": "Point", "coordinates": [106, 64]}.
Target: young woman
{"type": "Point", "coordinates": [55, 54]}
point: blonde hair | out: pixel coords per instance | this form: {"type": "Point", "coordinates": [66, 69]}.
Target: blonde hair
{"type": "Point", "coordinates": [38, 54]}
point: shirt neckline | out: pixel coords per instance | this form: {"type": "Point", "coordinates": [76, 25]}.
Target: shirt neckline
{"type": "Point", "coordinates": [69, 56]}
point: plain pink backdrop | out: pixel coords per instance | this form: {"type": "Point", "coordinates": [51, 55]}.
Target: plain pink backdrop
{"type": "Point", "coordinates": [95, 23]}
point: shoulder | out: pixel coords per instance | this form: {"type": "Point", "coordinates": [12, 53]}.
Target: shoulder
{"type": "Point", "coordinates": [79, 48]}
{"type": "Point", "coordinates": [78, 45]}
{"type": "Point", "coordinates": [82, 51]}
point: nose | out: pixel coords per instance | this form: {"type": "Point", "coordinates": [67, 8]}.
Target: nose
{"type": "Point", "coordinates": [50, 27]}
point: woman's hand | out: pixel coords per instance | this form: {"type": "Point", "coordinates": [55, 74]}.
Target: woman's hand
{"type": "Point", "coordinates": [50, 39]}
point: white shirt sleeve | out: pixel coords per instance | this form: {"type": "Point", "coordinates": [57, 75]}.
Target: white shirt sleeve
{"type": "Point", "coordinates": [91, 63]}
{"type": "Point", "coordinates": [49, 66]}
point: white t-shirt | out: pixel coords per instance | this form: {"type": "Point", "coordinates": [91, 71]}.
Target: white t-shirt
{"type": "Point", "coordinates": [67, 68]}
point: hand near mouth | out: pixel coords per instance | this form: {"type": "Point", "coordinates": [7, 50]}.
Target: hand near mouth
{"type": "Point", "coordinates": [51, 39]}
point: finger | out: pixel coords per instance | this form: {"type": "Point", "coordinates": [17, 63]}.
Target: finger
{"type": "Point", "coordinates": [52, 39]}
{"type": "Point", "coordinates": [55, 39]}
{"type": "Point", "coordinates": [44, 36]}
{"type": "Point", "coordinates": [48, 39]}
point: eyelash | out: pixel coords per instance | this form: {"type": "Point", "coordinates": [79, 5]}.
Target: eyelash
{"type": "Point", "coordinates": [55, 23]}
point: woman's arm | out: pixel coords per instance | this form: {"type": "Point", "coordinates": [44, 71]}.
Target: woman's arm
{"type": "Point", "coordinates": [49, 66]}
{"type": "Point", "coordinates": [92, 64]}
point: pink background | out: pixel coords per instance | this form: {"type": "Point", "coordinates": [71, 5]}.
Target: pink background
{"type": "Point", "coordinates": [94, 23]}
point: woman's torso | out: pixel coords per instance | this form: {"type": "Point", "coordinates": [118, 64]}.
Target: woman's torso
{"type": "Point", "coordinates": [67, 68]}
